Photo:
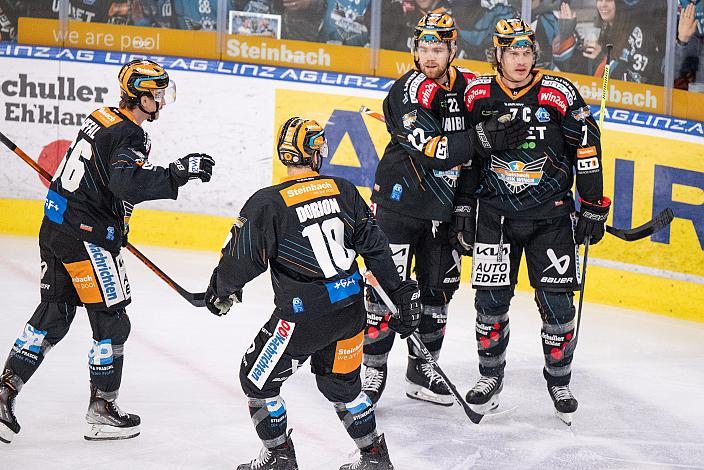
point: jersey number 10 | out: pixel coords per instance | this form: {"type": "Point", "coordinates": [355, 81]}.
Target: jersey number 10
{"type": "Point", "coordinates": [328, 242]}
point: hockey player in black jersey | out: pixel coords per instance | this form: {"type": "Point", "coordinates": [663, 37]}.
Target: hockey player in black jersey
{"type": "Point", "coordinates": [413, 197]}
{"type": "Point", "coordinates": [104, 173]}
{"type": "Point", "coordinates": [525, 203]}
{"type": "Point", "coordinates": [309, 230]}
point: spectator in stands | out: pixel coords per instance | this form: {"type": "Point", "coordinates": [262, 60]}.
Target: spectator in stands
{"type": "Point", "coordinates": [199, 15]}
{"type": "Point", "coordinates": [301, 19]}
{"type": "Point", "coordinates": [476, 20]}
{"type": "Point", "coordinates": [11, 10]}
{"type": "Point", "coordinates": [689, 50]}
{"type": "Point", "coordinates": [637, 31]}
{"type": "Point", "coordinates": [346, 22]}
{"type": "Point", "coordinates": [399, 19]}
{"type": "Point", "coordinates": [152, 13]}
{"type": "Point", "coordinates": [554, 25]}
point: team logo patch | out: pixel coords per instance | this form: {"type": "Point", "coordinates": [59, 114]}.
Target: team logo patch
{"type": "Point", "coordinates": [542, 115]}
{"type": "Point", "coordinates": [449, 176]}
{"type": "Point", "coordinates": [271, 353]}
{"type": "Point", "coordinates": [348, 354]}
{"type": "Point", "coordinates": [518, 175]}
{"type": "Point", "coordinates": [582, 113]}
{"type": "Point", "coordinates": [409, 119]}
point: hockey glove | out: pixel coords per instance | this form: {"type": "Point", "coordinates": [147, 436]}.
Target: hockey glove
{"type": "Point", "coordinates": [500, 132]}
{"type": "Point", "coordinates": [592, 220]}
{"type": "Point", "coordinates": [192, 166]}
{"type": "Point", "coordinates": [463, 228]}
{"type": "Point", "coordinates": [220, 305]}
{"type": "Point", "coordinates": [407, 301]}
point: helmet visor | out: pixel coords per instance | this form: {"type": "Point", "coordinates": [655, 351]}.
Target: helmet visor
{"type": "Point", "coordinates": [167, 94]}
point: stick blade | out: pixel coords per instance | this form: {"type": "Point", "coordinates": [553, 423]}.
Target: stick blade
{"type": "Point", "coordinates": [659, 222]}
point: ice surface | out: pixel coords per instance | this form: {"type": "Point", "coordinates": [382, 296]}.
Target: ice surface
{"type": "Point", "coordinates": [638, 377]}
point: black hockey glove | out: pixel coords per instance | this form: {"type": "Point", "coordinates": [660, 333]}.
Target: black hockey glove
{"type": "Point", "coordinates": [592, 220]}
{"type": "Point", "coordinates": [220, 305]}
{"type": "Point", "coordinates": [463, 228]}
{"type": "Point", "coordinates": [192, 166]}
{"type": "Point", "coordinates": [500, 132]}
{"type": "Point", "coordinates": [407, 301]}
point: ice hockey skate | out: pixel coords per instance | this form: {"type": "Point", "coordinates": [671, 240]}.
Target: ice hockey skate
{"type": "Point", "coordinates": [282, 457]}
{"type": "Point", "coordinates": [374, 457]}
{"type": "Point", "coordinates": [484, 396]}
{"type": "Point", "coordinates": [374, 382]}
{"type": "Point", "coordinates": [106, 421]}
{"type": "Point", "coordinates": [425, 384]}
{"type": "Point", "coordinates": [565, 403]}
{"type": "Point", "coordinates": [9, 387]}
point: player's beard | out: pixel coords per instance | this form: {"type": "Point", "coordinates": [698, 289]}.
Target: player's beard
{"type": "Point", "coordinates": [435, 73]}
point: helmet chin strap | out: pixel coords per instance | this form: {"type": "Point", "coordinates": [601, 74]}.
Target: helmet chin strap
{"type": "Point", "coordinates": [152, 115]}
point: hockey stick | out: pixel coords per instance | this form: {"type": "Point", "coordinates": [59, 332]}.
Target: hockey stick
{"type": "Point", "coordinates": [195, 299]}
{"type": "Point", "coordinates": [415, 339]}
{"type": "Point", "coordinates": [588, 238]}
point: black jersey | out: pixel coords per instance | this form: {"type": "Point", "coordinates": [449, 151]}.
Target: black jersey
{"type": "Point", "coordinates": [535, 180]}
{"type": "Point", "coordinates": [310, 229]}
{"type": "Point", "coordinates": [104, 173]}
{"type": "Point", "coordinates": [418, 172]}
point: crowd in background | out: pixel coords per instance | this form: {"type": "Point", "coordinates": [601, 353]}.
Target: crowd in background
{"type": "Point", "coordinates": [572, 34]}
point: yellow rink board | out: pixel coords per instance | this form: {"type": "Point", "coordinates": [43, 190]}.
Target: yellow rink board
{"type": "Point", "coordinates": [149, 227]}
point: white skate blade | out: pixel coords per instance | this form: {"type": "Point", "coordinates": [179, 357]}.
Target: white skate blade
{"type": "Point", "coordinates": [418, 392]}
{"type": "Point", "coordinates": [6, 434]}
{"type": "Point", "coordinates": [105, 432]}
{"type": "Point", "coordinates": [488, 407]}
{"type": "Point", "coordinates": [564, 417]}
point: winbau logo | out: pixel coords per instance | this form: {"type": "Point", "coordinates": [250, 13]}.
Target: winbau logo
{"type": "Point", "coordinates": [271, 353]}
{"type": "Point", "coordinates": [239, 49]}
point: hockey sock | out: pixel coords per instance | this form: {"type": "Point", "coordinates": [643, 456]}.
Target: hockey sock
{"type": "Point", "coordinates": [48, 325]}
{"type": "Point", "coordinates": [431, 329]}
{"type": "Point", "coordinates": [269, 419]}
{"type": "Point", "coordinates": [378, 337]}
{"type": "Point", "coordinates": [492, 329]}
{"type": "Point", "coordinates": [557, 311]}
{"type": "Point", "coordinates": [110, 331]}
{"type": "Point", "coordinates": [358, 418]}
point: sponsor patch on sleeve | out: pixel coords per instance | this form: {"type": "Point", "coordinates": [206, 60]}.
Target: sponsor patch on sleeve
{"type": "Point", "coordinates": [586, 152]}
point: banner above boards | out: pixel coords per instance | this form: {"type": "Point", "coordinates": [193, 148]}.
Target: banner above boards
{"type": "Point", "coordinates": [316, 56]}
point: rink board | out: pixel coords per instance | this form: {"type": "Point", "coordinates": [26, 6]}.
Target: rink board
{"type": "Point", "coordinates": [646, 169]}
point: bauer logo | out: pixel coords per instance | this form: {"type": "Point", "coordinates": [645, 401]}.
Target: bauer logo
{"type": "Point", "coordinates": [271, 353]}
